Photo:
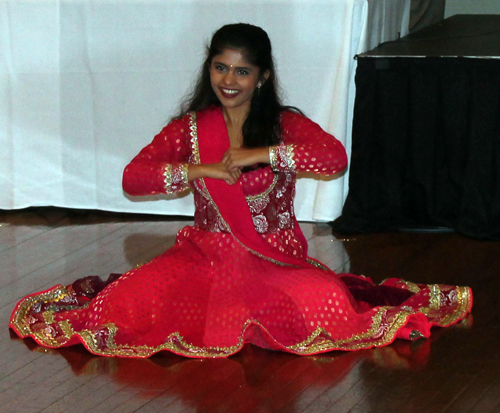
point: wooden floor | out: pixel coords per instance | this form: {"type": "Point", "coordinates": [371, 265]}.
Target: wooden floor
{"type": "Point", "coordinates": [457, 370]}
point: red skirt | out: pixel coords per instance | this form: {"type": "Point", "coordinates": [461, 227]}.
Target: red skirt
{"type": "Point", "coordinates": [207, 296]}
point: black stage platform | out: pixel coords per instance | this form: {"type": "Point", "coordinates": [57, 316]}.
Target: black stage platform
{"type": "Point", "coordinates": [426, 133]}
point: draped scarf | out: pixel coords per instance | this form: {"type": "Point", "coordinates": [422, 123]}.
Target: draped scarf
{"type": "Point", "coordinates": [213, 142]}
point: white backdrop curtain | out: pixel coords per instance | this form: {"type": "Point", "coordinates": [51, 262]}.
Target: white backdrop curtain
{"type": "Point", "coordinates": [86, 84]}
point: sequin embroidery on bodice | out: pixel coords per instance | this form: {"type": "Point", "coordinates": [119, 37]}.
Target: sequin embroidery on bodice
{"type": "Point", "coordinates": [269, 196]}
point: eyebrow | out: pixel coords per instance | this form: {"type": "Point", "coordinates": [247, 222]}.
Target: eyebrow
{"type": "Point", "coordinates": [238, 67]}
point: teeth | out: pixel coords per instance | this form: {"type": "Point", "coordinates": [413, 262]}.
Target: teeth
{"type": "Point", "coordinates": [230, 91]}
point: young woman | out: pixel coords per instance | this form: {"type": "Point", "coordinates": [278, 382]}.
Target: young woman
{"type": "Point", "coordinates": [241, 274]}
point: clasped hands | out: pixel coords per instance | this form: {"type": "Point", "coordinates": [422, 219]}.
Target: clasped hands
{"type": "Point", "coordinates": [237, 158]}
{"type": "Point", "coordinates": [229, 168]}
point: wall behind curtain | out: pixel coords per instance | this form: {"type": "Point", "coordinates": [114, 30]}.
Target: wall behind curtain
{"type": "Point", "coordinates": [472, 7]}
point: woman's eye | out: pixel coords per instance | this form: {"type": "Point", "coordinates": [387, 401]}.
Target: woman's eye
{"type": "Point", "coordinates": [243, 72]}
{"type": "Point", "coordinates": [219, 68]}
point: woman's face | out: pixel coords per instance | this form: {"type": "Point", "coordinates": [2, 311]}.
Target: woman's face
{"type": "Point", "coordinates": [233, 79]}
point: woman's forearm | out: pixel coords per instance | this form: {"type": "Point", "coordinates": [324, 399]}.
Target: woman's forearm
{"type": "Point", "coordinates": [214, 171]}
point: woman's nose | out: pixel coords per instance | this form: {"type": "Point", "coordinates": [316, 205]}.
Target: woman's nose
{"type": "Point", "coordinates": [229, 78]}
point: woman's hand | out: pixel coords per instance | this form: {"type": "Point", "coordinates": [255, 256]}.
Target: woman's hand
{"type": "Point", "coordinates": [237, 158]}
{"type": "Point", "coordinates": [229, 169]}
{"type": "Point", "coordinates": [214, 171]}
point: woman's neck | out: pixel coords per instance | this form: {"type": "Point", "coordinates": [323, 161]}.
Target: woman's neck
{"type": "Point", "coordinates": [234, 118]}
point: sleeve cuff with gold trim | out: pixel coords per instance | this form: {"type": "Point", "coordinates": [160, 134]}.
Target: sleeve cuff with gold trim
{"type": "Point", "coordinates": [176, 178]}
{"type": "Point", "coordinates": [281, 158]}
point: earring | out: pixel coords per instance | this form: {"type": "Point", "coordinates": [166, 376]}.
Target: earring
{"type": "Point", "coordinates": [258, 88]}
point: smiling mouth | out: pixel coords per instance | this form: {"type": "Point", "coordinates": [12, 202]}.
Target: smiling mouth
{"type": "Point", "coordinates": [229, 93]}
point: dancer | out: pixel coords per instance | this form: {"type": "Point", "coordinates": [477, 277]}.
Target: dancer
{"type": "Point", "coordinates": [241, 274]}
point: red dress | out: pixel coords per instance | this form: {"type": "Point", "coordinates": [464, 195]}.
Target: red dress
{"type": "Point", "coordinates": [241, 274]}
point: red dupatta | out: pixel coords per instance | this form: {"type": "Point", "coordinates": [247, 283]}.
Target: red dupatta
{"type": "Point", "coordinates": [213, 142]}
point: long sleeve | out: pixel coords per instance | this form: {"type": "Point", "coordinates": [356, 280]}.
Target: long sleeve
{"type": "Point", "coordinates": [307, 148]}
{"type": "Point", "coordinates": [161, 167]}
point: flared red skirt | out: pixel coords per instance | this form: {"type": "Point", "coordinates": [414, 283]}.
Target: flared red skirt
{"type": "Point", "coordinates": [207, 296]}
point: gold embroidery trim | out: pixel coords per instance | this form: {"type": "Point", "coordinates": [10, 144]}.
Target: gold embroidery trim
{"type": "Point", "coordinates": [193, 127]}
{"type": "Point", "coordinates": [195, 151]}
{"type": "Point", "coordinates": [67, 329]}
{"type": "Point", "coordinates": [464, 296]}
{"type": "Point", "coordinates": [319, 340]}
{"type": "Point", "coordinates": [356, 341]}
{"type": "Point", "coordinates": [251, 198]}
{"type": "Point", "coordinates": [184, 174]}
{"type": "Point", "coordinates": [53, 295]}
{"type": "Point", "coordinates": [290, 157]}
{"type": "Point", "coordinates": [434, 297]}
{"type": "Point", "coordinates": [48, 317]}
{"type": "Point", "coordinates": [168, 179]}
{"type": "Point", "coordinates": [317, 264]}
{"type": "Point", "coordinates": [411, 286]}
{"type": "Point", "coordinates": [273, 157]}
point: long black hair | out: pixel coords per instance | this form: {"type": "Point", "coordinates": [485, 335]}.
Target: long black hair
{"type": "Point", "coordinates": [262, 125]}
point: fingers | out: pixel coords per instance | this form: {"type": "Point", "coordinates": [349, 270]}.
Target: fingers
{"type": "Point", "coordinates": [233, 176]}
{"type": "Point", "coordinates": [241, 157]}
{"type": "Point", "coordinates": [236, 158]}
{"type": "Point", "coordinates": [229, 161]}
{"type": "Point", "coordinates": [236, 173]}
{"type": "Point", "coordinates": [230, 172]}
